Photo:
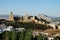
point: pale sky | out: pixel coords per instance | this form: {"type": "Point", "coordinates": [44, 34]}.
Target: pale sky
{"type": "Point", "coordinates": [31, 7]}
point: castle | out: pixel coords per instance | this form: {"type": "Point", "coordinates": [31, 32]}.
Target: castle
{"type": "Point", "coordinates": [27, 18]}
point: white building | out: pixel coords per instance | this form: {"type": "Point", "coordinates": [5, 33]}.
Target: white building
{"type": "Point", "coordinates": [35, 33]}
{"type": "Point", "coordinates": [3, 27]}
{"type": "Point", "coordinates": [9, 28]}
{"type": "Point", "coordinates": [0, 30]}
{"type": "Point", "coordinates": [50, 38]}
{"type": "Point", "coordinates": [20, 29]}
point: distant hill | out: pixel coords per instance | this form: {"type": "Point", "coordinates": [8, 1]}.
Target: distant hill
{"type": "Point", "coordinates": [45, 17]}
{"type": "Point", "coordinates": [4, 16]}
{"type": "Point", "coordinates": [7, 16]}
{"type": "Point", "coordinates": [57, 19]}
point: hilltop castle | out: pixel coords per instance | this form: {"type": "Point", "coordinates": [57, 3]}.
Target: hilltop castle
{"type": "Point", "coordinates": [27, 18]}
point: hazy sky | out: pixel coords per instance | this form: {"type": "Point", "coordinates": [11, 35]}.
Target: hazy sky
{"type": "Point", "coordinates": [31, 7]}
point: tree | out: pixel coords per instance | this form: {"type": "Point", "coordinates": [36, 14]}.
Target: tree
{"type": "Point", "coordinates": [12, 35]}
{"type": "Point", "coordinates": [56, 38]}
{"type": "Point", "coordinates": [21, 35]}
{"type": "Point", "coordinates": [45, 38]}
{"type": "Point", "coordinates": [1, 36]}
{"type": "Point", "coordinates": [39, 37]}
{"type": "Point", "coordinates": [6, 35]}
{"type": "Point", "coordinates": [28, 35]}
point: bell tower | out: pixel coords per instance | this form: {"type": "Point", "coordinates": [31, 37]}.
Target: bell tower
{"type": "Point", "coordinates": [11, 17]}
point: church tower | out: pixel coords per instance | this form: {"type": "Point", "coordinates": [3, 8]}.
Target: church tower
{"type": "Point", "coordinates": [11, 17]}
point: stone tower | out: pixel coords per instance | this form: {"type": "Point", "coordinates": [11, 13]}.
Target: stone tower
{"type": "Point", "coordinates": [11, 17]}
{"type": "Point", "coordinates": [25, 18]}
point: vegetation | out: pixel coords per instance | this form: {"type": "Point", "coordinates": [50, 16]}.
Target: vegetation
{"type": "Point", "coordinates": [12, 35]}
{"type": "Point", "coordinates": [28, 35]}
{"type": "Point", "coordinates": [24, 35]}
{"type": "Point", "coordinates": [27, 25]}
{"type": "Point", "coordinates": [6, 35]}
{"type": "Point", "coordinates": [40, 37]}
{"type": "Point", "coordinates": [56, 38]}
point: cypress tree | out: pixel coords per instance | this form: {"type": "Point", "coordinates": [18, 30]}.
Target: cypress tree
{"type": "Point", "coordinates": [12, 35]}
{"type": "Point", "coordinates": [6, 35]}
{"type": "Point", "coordinates": [28, 35]}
